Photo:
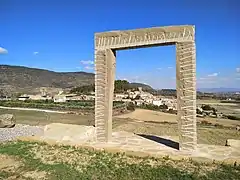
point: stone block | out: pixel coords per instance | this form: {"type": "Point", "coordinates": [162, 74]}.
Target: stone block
{"type": "Point", "coordinates": [69, 133]}
{"type": "Point", "coordinates": [7, 121]}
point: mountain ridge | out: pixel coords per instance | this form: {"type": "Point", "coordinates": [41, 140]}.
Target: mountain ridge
{"type": "Point", "coordinates": [26, 79]}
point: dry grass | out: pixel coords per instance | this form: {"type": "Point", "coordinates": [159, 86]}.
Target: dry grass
{"type": "Point", "coordinates": [41, 161]}
{"type": "Point", "coordinates": [11, 166]}
{"type": "Point", "coordinates": [206, 135]}
{"type": "Point", "coordinates": [51, 155]}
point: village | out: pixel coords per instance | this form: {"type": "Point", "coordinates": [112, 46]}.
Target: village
{"type": "Point", "coordinates": [137, 97]}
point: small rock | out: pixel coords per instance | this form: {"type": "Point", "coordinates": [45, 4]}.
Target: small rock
{"type": "Point", "coordinates": [238, 128]}
{"type": "Point", "coordinates": [7, 121]}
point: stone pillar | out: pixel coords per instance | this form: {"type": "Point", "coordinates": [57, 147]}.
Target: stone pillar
{"type": "Point", "coordinates": [111, 68]}
{"type": "Point", "coordinates": [186, 95]}
{"type": "Point", "coordinates": [104, 87]}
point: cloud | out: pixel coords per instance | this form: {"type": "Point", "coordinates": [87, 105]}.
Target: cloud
{"type": "Point", "coordinates": [159, 68]}
{"type": "Point", "coordinates": [213, 75]}
{"type": "Point", "coordinates": [170, 67]}
{"type": "Point", "coordinates": [89, 67]}
{"type": "Point", "coordinates": [238, 70]}
{"type": "Point", "coordinates": [3, 51]}
{"type": "Point", "coordinates": [202, 78]}
{"type": "Point", "coordinates": [35, 53]}
{"type": "Point", "coordinates": [88, 62]}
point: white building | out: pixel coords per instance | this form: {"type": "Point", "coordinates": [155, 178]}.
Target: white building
{"type": "Point", "coordinates": [157, 102]}
{"type": "Point", "coordinates": [139, 102]}
{"type": "Point", "coordinates": [23, 97]}
{"type": "Point", "coordinates": [126, 100]}
{"type": "Point", "coordinates": [148, 101]}
{"type": "Point", "coordinates": [121, 96]}
{"type": "Point", "coordinates": [39, 97]}
{"type": "Point", "coordinates": [63, 97]}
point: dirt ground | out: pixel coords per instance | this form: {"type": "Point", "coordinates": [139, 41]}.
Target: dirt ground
{"type": "Point", "coordinates": [154, 116]}
{"type": "Point", "coordinates": [140, 121]}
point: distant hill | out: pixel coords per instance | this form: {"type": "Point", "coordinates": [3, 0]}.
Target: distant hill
{"type": "Point", "coordinates": [27, 80]}
{"type": "Point", "coordinates": [24, 79]}
{"type": "Point", "coordinates": [219, 90]}
{"type": "Point", "coordinates": [145, 87]}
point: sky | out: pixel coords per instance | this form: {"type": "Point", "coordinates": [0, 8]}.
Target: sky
{"type": "Point", "coordinates": [59, 36]}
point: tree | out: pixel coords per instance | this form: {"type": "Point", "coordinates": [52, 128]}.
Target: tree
{"type": "Point", "coordinates": [206, 107]}
{"type": "Point", "coordinates": [83, 89]}
{"type": "Point", "coordinates": [130, 106]}
{"type": "Point", "coordinates": [121, 86]}
{"type": "Point", "coordinates": [164, 106]}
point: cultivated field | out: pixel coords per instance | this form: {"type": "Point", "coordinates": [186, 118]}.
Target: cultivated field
{"type": "Point", "coordinates": [39, 161]}
{"type": "Point", "coordinates": [225, 108]}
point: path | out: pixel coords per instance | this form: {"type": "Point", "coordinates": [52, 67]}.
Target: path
{"type": "Point", "coordinates": [33, 109]}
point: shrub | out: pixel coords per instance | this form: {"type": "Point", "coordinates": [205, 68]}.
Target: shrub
{"type": "Point", "coordinates": [207, 107]}
{"type": "Point", "coordinates": [130, 106]}
{"type": "Point", "coordinates": [233, 117]}
{"type": "Point", "coordinates": [164, 106]}
{"type": "Point", "coordinates": [204, 122]}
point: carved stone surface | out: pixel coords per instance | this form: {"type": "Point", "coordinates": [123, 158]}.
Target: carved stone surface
{"type": "Point", "coordinates": [186, 94]}
{"type": "Point", "coordinates": [143, 37]}
{"type": "Point", "coordinates": [107, 43]}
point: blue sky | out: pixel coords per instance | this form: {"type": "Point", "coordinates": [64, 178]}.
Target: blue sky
{"type": "Point", "coordinates": [58, 35]}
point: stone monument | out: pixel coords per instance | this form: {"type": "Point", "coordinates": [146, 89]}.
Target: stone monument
{"type": "Point", "coordinates": [106, 45]}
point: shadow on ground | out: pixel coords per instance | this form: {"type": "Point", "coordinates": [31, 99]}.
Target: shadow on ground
{"type": "Point", "coordinates": [160, 140]}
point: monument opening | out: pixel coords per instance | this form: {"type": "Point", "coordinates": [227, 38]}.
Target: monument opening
{"type": "Point", "coordinates": [153, 66]}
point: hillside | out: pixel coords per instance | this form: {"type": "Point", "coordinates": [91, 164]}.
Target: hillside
{"type": "Point", "coordinates": [144, 86]}
{"type": "Point", "coordinates": [25, 79]}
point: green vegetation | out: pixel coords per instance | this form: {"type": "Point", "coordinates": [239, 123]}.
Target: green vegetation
{"type": "Point", "coordinates": [237, 101]}
{"type": "Point", "coordinates": [120, 86]}
{"type": "Point", "coordinates": [42, 161]}
{"type": "Point", "coordinates": [49, 104]}
{"type": "Point", "coordinates": [208, 108]}
{"type": "Point", "coordinates": [130, 106]}
{"type": "Point", "coordinates": [233, 117]}
{"type": "Point", "coordinates": [83, 89]}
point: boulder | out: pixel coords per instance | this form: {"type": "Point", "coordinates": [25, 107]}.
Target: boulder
{"type": "Point", "coordinates": [233, 143]}
{"type": "Point", "coordinates": [7, 121]}
{"type": "Point", "coordinates": [69, 132]}
{"type": "Point", "coordinates": [238, 128]}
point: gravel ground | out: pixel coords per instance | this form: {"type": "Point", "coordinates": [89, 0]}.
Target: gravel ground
{"type": "Point", "coordinates": [7, 134]}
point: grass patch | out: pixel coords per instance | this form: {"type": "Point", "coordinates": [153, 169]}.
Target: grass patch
{"type": "Point", "coordinates": [65, 162]}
